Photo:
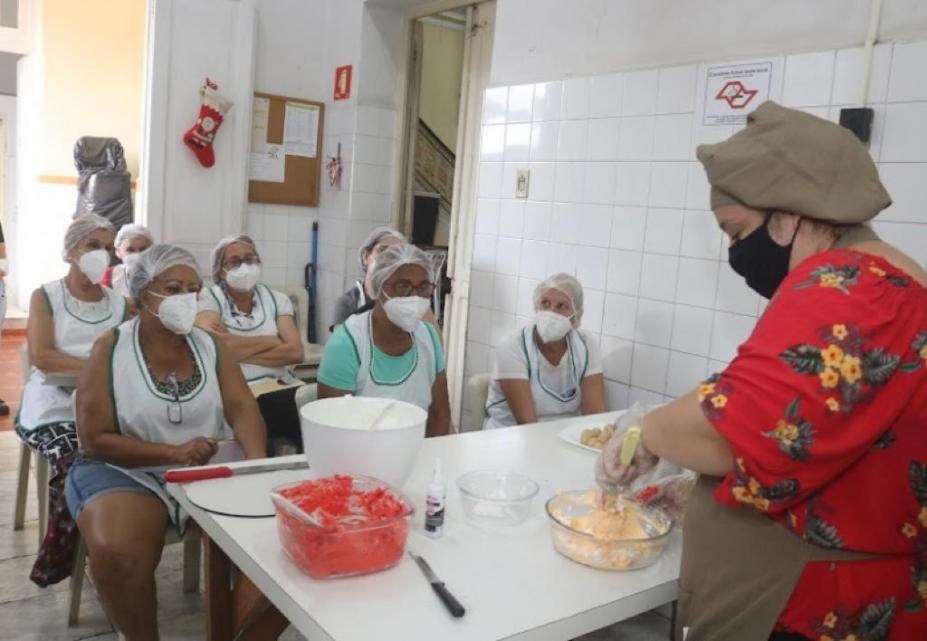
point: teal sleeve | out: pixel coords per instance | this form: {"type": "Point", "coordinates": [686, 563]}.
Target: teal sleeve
{"type": "Point", "coordinates": [440, 365]}
{"type": "Point", "coordinates": [340, 361]}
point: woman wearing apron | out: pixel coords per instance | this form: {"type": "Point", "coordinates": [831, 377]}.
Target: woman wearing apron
{"type": "Point", "coordinates": [65, 317]}
{"type": "Point", "coordinates": [549, 369]}
{"type": "Point", "coordinates": [389, 352]}
{"type": "Point", "coordinates": [256, 324]}
{"type": "Point", "coordinates": [356, 298]}
{"type": "Point", "coordinates": [156, 393]}
{"type": "Point", "coordinates": [809, 520]}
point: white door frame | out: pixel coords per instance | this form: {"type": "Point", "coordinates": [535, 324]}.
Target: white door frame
{"type": "Point", "coordinates": [475, 78]}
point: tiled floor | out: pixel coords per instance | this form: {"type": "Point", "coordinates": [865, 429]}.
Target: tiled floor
{"type": "Point", "coordinates": [30, 613]}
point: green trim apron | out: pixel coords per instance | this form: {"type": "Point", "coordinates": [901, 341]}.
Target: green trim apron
{"type": "Point", "coordinates": [550, 400]}
{"type": "Point", "coordinates": [414, 386]}
{"type": "Point", "coordinates": [77, 325]}
{"type": "Point", "coordinates": [141, 411]}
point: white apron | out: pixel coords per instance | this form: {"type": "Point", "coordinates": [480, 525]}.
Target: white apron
{"type": "Point", "coordinates": [141, 411]}
{"type": "Point", "coordinates": [77, 325]}
{"type": "Point", "coordinates": [552, 399]}
{"type": "Point", "coordinates": [415, 385]}
{"type": "Point", "coordinates": [262, 322]}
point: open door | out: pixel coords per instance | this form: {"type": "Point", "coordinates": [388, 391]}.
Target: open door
{"type": "Point", "coordinates": [477, 25]}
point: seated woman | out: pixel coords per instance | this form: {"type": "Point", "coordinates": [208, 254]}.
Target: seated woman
{"type": "Point", "coordinates": [357, 298]}
{"type": "Point", "coordinates": [173, 393]}
{"type": "Point", "coordinates": [550, 369]}
{"type": "Point", "coordinates": [65, 318]}
{"type": "Point", "coordinates": [388, 351]}
{"type": "Point", "coordinates": [256, 324]}
{"type": "Point", "coordinates": [131, 240]}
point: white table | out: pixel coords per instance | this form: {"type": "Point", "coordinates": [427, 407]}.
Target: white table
{"type": "Point", "coordinates": [511, 581]}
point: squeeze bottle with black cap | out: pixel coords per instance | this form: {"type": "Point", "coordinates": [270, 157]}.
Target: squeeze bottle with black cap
{"type": "Point", "coordinates": [434, 503]}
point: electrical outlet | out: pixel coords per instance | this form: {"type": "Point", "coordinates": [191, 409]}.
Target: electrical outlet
{"type": "Point", "coordinates": [521, 183]}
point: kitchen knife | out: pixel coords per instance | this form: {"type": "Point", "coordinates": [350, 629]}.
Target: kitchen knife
{"type": "Point", "coordinates": [450, 602]}
{"type": "Point", "coordinates": [186, 475]}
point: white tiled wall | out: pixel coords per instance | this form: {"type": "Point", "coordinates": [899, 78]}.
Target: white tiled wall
{"type": "Point", "coordinates": [368, 142]}
{"type": "Point", "coordinates": [617, 199]}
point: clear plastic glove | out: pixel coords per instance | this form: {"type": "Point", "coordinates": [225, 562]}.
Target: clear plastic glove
{"type": "Point", "coordinates": [671, 493]}
{"type": "Point", "coordinates": [610, 474]}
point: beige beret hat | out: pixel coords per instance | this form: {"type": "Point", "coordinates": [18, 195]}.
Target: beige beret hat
{"type": "Point", "coordinates": [788, 160]}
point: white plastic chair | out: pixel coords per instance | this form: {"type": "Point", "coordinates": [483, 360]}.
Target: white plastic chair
{"type": "Point", "coordinates": [478, 389]}
{"type": "Point", "coordinates": [41, 470]}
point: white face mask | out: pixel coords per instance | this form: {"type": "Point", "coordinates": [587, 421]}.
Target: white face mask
{"type": "Point", "coordinates": [244, 277]}
{"type": "Point", "coordinates": [94, 264]}
{"type": "Point", "coordinates": [551, 326]}
{"type": "Point", "coordinates": [177, 312]}
{"type": "Point", "coordinates": [406, 311]}
{"type": "Point", "coordinates": [130, 261]}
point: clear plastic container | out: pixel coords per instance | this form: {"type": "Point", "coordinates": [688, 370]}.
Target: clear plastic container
{"type": "Point", "coordinates": [607, 552]}
{"type": "Point", "coordinates": [344, 549]}
{"type": "Point", "coordinates": [496, 497]}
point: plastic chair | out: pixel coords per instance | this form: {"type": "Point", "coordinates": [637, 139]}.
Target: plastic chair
{"type": "Point", "coordinates": [41, 471]}
{"type": "Point", "coordinates": [478, 388]}
{"type": "Point", "coordinates": [306, 394]}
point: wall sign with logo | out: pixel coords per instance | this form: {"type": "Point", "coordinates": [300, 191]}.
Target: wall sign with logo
{"type": "Point", "coordinates": [733, 91]}
{"type": "Point", "coordinates": [343, 82]}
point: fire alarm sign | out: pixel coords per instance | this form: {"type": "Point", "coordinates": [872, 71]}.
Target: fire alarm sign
{"type": "Point", "coordinates": [343, 82]}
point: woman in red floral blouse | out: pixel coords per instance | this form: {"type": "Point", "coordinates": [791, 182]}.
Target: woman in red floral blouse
{"type": "Point", "coordinates": [809, 520]}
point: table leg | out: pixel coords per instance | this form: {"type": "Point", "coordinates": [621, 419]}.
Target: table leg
{"type": "Point", "coordinates": [217, 574]}
{"type": "Point", "coordinates": [242, 613]}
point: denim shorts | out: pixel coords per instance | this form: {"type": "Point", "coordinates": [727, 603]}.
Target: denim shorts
{"type": "Point", "coordinates": [89, 479]}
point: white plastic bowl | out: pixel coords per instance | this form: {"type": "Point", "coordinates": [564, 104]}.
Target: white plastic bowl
{"type": "Point", "coordinates": [337, 438]}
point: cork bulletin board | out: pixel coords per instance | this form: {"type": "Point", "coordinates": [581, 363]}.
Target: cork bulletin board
{"type": "Point", "coordinates": [286, 157]}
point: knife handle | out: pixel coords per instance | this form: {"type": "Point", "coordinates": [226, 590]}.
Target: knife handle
{"type": "Point", "coordinates": [449, 600]}
{"type": "Point", "coordinates": [202, 474]}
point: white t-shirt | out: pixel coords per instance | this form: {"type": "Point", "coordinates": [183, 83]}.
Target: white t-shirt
{"type": "Point", "coordinates": [555, 388]}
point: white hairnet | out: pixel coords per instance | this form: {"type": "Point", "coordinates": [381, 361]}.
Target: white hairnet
{"type": "Point", "coordinates": [217, 257]}
{"type": "Point", "coordinates": [392, 259]}
{"type": "Point", "coordinates": [154, 261]}
{"type": "Point", "coordinates": [81, 226]}
{"type": "Point", "coordinates": [375, 237]}
{"type": "Point", "coordinates": [565, 284]}
{"type": "Point", "coordinates": [130, 231]}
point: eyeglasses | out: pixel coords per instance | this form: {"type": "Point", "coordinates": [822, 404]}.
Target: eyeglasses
{"type": "Point", "coordinates": [235, 263]}
{"type": "Point", "coordinates": [405, 288]}
{"type": "Point", "coordinates": [175, 408]}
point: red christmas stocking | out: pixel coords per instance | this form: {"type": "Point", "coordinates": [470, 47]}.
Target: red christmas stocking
{"type": "Point", "coordinates": [200, 136]}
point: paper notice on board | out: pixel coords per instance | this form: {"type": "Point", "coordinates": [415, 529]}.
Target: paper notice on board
{"type": "Point", "coordinates": [260, 114]}
{"type": "Point", "coordinates": [268, 165]}
{"type": "Point", "coordinates": [301, 129]}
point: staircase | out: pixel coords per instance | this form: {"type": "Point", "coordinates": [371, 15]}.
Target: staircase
{"type": "Point", "coordinates": [434, 167]}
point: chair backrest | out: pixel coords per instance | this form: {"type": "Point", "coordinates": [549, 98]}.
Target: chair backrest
{"type": "Point", "coordinates": [306, 394]}
{"type": "Point", "coordinates": [478, 386]}
{"type": "Point", "coordinates": [300, 299]}
{"type": "Point", "coordinates": [24, 361]}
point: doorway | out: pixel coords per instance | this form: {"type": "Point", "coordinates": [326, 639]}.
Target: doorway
{"type": "Point", "coordinates": [448, 55]}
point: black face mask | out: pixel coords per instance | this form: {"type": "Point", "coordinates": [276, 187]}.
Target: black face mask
{"type": "Point", "coordinates": [761, 261]}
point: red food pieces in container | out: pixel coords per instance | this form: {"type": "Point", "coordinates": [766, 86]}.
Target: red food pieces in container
{"type": "Point", "coordinates": [342, 525]}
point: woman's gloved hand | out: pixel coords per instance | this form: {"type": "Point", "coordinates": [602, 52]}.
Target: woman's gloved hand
{"type": "Point", "coordinates": [610, 473]}
{"type": "Point", "coordinates": [671, 493]}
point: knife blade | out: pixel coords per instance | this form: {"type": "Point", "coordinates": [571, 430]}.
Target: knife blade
{"type": "Point", "coordinates": [450, 602]}
{"type": "Point", "coordinates": [186, 475]}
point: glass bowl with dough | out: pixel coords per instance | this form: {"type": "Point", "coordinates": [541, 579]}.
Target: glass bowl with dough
{"type": "Point", "coordinates": [628, 538]}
